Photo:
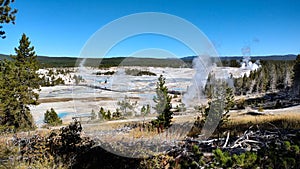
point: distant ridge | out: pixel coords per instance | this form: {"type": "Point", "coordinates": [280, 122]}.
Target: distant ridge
{"type": "Point", "coordinates": [47, 61]}
{"type": "Point", "coordinates": [268, 57]}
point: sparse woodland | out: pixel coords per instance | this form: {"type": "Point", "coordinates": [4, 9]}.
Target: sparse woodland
{"type": "Point", "coordinates": [273, 76]}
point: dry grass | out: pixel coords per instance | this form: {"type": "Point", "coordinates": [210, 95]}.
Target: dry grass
{"type": "Point", "coordinates": [276, 121]}
{"type": "Point", "coordinates": [10, 153]}
{"type": "Point", "coordinates": [142, 133]}
{"type": "Point", "coordinates": [264, 118]}
{"type": "Point", "coordinates": [107, 125]}
{"type": "Point", "coordinates": [240, 121]}
{"type": "Point", "coordinates": [182, 125]}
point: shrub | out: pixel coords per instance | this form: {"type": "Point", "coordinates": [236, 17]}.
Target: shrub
{"type": "Point", "coordinates": [137, 72]}
{"type": "Point", "coordinates": [260, 108]}
{"type": "Point", "coordinates": [51, 118]}
{"type": "Point", "coordinates": [278, 104]}
{"type": "Point", "coordinates": [108, 73]}
{"type": "Point", "coordinates": [93, 115]}
{"type": "Point", "coordinates": [67, 145]}
{"type": "Point", "coordinates": [240, 104]}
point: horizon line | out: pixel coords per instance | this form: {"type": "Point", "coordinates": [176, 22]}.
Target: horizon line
{"type": "Point", "coordinates": [148, 57]}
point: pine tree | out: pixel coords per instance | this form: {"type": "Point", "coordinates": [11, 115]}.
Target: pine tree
{"type": "Point", "coordinates": [117, 114]}
{"type": "Point", "coordinates": [229, 100]}
{"type": "Point", "coordinates": [126, 105]}
{"type": "Point", "coordinates": [7, 98]}
{"type": "Point", "coordinates": [208, 89]}
{"type": "Point", "coordinates": [101, 113]}
{"type": "Point", "coordinates": [7, 15]}
{"type": "Point", "coordinates": [273, 80]}
{"type": "Point", "coordinates": [108, 115]}
{"type": "Point", "coordinates": [288, 77]}
{"type": "Point", "coordinates": [51, 118]}
{"type": "Point", "coordinates": [296, 78]}
{"type": "Point", "coordinates": [18, 90]}
{"type": "Point", "coordinates": [163, 105]}
{"type": "Point", "coordinates": [244, 84]}
{"type": "Point", "coordinates": [145, 110]}
{"type": "Point", "coordinates": [93, 115]}
{"type": "Point", "coordinates": [216, 114]}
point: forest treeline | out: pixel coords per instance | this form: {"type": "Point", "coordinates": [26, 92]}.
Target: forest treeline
{"type": "Point", "coordinates": [272, 76]}
{"type": "Point", "coordinates": [50, 62]}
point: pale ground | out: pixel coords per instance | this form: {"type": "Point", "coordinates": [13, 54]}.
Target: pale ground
{"type": "Point", "coordinates": [77, 100]}
{"type": "Point", "coordinates": [73, 100]}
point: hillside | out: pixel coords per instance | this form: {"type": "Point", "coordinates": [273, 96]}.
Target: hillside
{"type": "Point", "coordinates": [47, 61]}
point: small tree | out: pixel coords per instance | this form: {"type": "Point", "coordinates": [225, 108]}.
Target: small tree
{"type": "Point", "coordinates": [101, 113]}
{"type": "Point", "coordinates": [216, 114]}
{"type": "Point", "coordinates": [108, 115]}
{"type": "Point", "coordinates": [208, 89]}
{"type": "Point", "coordinates": [51, 118]}
{"type": "Point", "coordinates": [163, 105]}
{"type": "Point", "coordinates": [296, 78]}
{"type": "Point", "coordinates": [117, 114]}
{"type": "Point", "coordinates": [78, 79]}
{"type": "Point", "coordinates": [145, 110]}
{"type": "Point", "coordinates": [229, 100]}
{"type": "Point", "coordinates": [126, 106]}
{"type": "Point", "coordinates": [93, 115]}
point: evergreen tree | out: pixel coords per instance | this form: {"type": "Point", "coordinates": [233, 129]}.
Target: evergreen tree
{"type": "Point", "coordinates": [216, 114]}
{"type": "Point", "coordinates": [8, 101]}
{"type": "Point", "coordinates": [273, 78]}
{"type": "Point", "coordinates": [7, 15]}
{"type": "Point", "coordinates": [126, 105]}
{"type": "Point", "coordinates": [51, 118]}
{"type": "Point", "coordinates": [296, 78]}
{"type": "Point", "coordinates": [208, 89]}
{"type": "Point", "coordinates": [288, 77]}
{"type": "Point", "coordinates": [145, 110]}
{"type": "Point", "coordinates": [18, 89]}
{"type": "Point", "coordinates": [229, 100]}
{"type": "Point", "coordinates": [163, 105]}
{"type": "Point", "coordinates": [93, 115]}
{"type": "Point", "coordinates": [117, 114]}
{"type": "Point", "coordinates": [101, 113]}
{"type": "Point", "coordinates": [108, 115]}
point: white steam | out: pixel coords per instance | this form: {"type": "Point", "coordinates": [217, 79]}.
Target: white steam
{"type": "Point", "coordinates": [202, 66]}
{"type": "Point", "coordinates": [246, 62]}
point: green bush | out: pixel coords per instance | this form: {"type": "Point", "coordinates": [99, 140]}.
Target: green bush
{"type": "Point", "coordinates": [260, 108]}
{"type": "Point", "coordinates": [106, 73]}
{"type": "Point", "coordinates": [137, 72]}
{"type": "Point", "coordinates": [51, 118]}
{"type": "Point", "coordinates": [280, 155]}
{"type": "Point", "coordinates": [67, 146]}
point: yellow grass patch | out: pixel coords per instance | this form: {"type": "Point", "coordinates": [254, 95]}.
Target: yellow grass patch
{"type": "Point", "coordinates": [265, 118]}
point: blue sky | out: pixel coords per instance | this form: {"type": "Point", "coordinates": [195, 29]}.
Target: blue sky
{"type": "Point", "coordinates": [62, 27]}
